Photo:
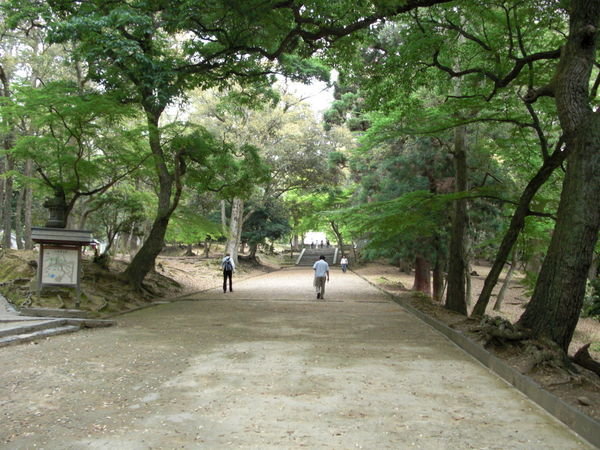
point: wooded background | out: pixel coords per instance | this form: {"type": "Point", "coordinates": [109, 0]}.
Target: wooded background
{"type": "Point", "coordinates": [460, 131]}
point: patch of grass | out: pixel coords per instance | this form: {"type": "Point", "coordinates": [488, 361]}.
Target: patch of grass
{"type": "Point", "coordinates": [14, 265]}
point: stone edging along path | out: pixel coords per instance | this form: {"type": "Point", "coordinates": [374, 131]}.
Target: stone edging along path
{"type": "Point", "coordinates": [582, 424]}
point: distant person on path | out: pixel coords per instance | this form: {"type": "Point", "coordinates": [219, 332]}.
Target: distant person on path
{"type": "Point", "coordinates": [344, 263]}
{"type": "Point", "coordinates": [321, 269]}
{"type": "Point", "coordinates": [228, 267]}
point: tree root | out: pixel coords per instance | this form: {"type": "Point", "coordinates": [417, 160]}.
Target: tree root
{"type": "Point", "coordinates": [547, 353]}
{"type": "Point", "coordinates": [16, 282]}
{"type": "Point", "coordinates": [499, 331]}
{"type": "Point", "coordinates": [148, 291]}
{"type": "Point", "coordinates": [585, 360]}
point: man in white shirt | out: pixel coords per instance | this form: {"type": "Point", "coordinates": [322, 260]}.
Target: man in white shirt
{"type": "Point", "coordinates": [321, 269]}
{"type": "Point", "coordinates": [344, 264]}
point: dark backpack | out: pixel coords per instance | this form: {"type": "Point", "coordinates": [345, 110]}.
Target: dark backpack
{"type": "Point", "coordinates": [227, 266]}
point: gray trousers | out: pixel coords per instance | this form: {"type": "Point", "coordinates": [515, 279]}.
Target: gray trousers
{"type": "Point", "coordinates": [320, 285]}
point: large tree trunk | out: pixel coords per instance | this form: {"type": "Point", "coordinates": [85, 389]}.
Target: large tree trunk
{"type": "Point", "coordinates": [127, 245]}
{"type": "Point", "coordinates": [7, 206]}
{"type": "Point", "coordinates": [456, 296]}
{"type": "Point", "coordinates": [438, 274]}
{"type": "Point", "coordinates": [86, 211]}
{"type": "Point", "coordinates": [4, 92]}
{"type": "Point", "coordinates": [594, 267]}
{"type": "Point", "coordinates": [338, 236]}
{"type": "Point", "coordinates": [111, 240]}
{"type": "Point", "coordinates": [143, 262]}
{"type": "Point", "coordinates": [28, 206]}
{"type": "Point", "coordinates": [206, 248]}
{"type": "Point", "coordinates": [253, 250]}
{"type": "Point", "coordinates": [469, 270]}
{"type": "Point", "coordinates": [438, 281]}
{"type": "Point", "coordinates": [516, 225]}
{"type": "Point", "coordinates": [554, 308]}
{"type": "Point", "coordinates": [506, 284]}
{"type": "Point", "coordinates": [2, 182]}
{"type": "Point", "coordinates": [422, 281]}
{"type": "Point", "coordinates": [18, 218]}
{"type": "Point", "coordinates": [235, 228]}
{"type": "Point", "coordinates": [223, 217]}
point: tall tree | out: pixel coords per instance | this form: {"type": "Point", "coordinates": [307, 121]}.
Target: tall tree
{"type": "Point", "coordinates": [529, 62]}
{"type": "Point", "coordinates": [456, 298]}
{"type": "Point", "coordinates": [269, 222]}
{"type": "Point", "coordinates": [289, 138]}
{"type": "Point", "coordinates": [82, 146]}
{"type": "Point", "coordinates": [554, 308]}
{"type": "Point", "coordinates": [30, 61]}
{"type": "Point", "coordinates": [127, 47]}
{"type": "Point", "coordinates": [7, 135]}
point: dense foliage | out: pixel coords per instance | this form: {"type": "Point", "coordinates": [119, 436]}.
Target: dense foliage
{"type": "Point", "coordinates": [459, 131]}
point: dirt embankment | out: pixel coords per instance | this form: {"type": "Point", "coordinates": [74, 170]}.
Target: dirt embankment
{"type": "Point", "coordinates": [104, 292]}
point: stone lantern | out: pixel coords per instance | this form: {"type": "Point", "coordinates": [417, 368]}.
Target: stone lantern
{"type": "Point", "coordinates": [57, 206]}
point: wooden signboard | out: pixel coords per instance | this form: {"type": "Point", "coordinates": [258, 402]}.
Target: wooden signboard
{"type": "Point", "coordinates": [60, 256]}
{"type": "Point", "coordinates": [60, 265]}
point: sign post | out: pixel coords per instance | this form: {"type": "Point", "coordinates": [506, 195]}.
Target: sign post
{"type": "Point", "coordinates": [60, 257]}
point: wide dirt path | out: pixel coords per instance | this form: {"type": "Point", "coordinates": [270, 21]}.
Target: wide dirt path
{"type": "Point", "coordinates": [265, 367]}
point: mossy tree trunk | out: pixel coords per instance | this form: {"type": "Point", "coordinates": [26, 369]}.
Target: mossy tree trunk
{"type": "Point", "coordinates": [457, 271]}
{"type": "Point", "coordinates": [235, 228]}
{"type": "Point", "coordinates": [557, 299]}
{"type": "Point", "coordinates": [517, 223]}
{"type": "Point", "coordinates": [169, 192]}
{"type": "Point", "coordinates": [422, 282]}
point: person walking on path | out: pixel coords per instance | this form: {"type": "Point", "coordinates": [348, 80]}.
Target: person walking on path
{"type": "Point", "coordinates": [321, 269]}
{"type": "Point", "coordinates": [344, 264]}
{"type": "Point", "coordinates": [228, 267]}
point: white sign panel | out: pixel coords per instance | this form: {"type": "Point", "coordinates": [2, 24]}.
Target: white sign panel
{"type": "Point", "coordinates": [60, 266]}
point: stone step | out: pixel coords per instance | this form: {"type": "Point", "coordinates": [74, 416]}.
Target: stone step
{"type": "Point", "coordinates": [36, 335]}
{"type": "Point", "coordinates": [310, 261]}
{"type": "Point", "coordinates": [319, 251]}
{"type": "Point", "coordinates": [310, 255]}
{"type": "Point", "coordinates": [15, 328]}
{"type": "Point", "coordinates": [53, 312]}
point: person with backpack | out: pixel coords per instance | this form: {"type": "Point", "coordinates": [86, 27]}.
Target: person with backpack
{"type": "Point", "coordinates": [228, 267]}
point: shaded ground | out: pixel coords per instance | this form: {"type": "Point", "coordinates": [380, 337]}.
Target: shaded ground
{"type": "Point", "coordinates": [581, 391]}
{"type": "Point", "coordinates": [266, 367]}
{"type": "Point", "coordinates": [107, 295]}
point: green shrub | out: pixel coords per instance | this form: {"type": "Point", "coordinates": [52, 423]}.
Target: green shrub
{"type": "Point", "coordinates": [591, 302]}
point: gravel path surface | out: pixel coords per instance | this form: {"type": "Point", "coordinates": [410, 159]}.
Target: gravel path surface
{"type": "Point", "coordinates": [265, 367]}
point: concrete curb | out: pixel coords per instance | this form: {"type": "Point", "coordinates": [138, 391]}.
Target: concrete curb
{"type": "Point", "coordinates": [38, 335]}
{"type": "Point", "coordinates": [53, 312]}
{"type": "Point", "coordinates": [582, 424]}
{"type": "Point", "coordinates": [47, 327]}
